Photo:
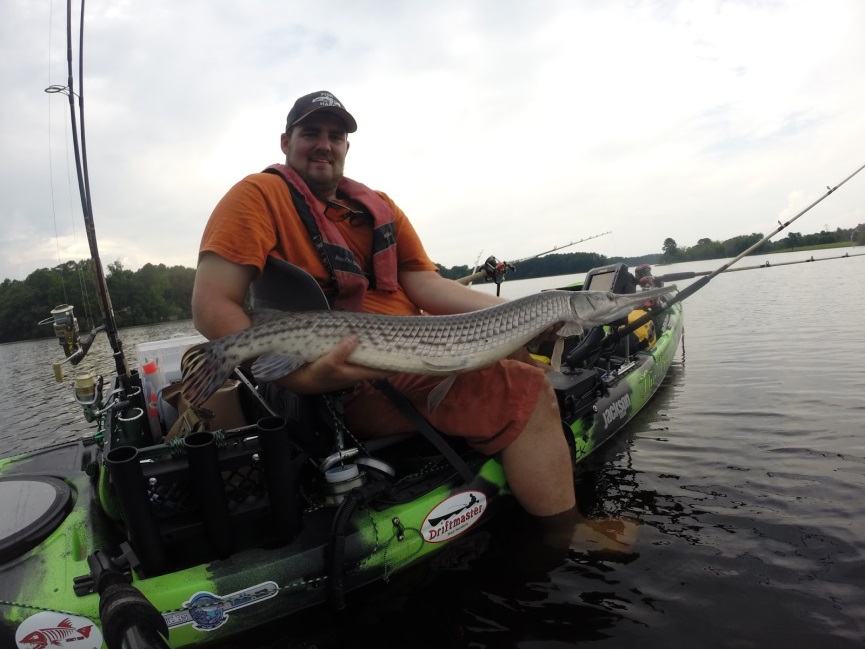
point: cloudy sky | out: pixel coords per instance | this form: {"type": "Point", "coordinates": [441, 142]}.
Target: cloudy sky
{"type": "Point", "coordinates": [500, 126]}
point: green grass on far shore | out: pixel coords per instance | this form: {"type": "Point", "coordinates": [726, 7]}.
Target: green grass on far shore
{"type": "Point", "coordinates": [840, 244]}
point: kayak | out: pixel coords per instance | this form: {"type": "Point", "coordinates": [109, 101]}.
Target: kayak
{"type": "Point", "coordinates": [136, 536]}
{"type": "Point", "coordinates": [174, 525]}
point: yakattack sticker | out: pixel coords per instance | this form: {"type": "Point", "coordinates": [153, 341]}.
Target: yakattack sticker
{"type": "Point", "coordinates": [50, 629]}
{"type": "Point", "coordinates": [617, 409]}
{"type": "Point", "coordinates": [206, 611]}
{"type": "Point", "coordinates": [453, 516]}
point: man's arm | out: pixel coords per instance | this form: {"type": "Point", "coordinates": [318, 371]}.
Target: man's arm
{"type": "Point", "coordinates": [218, 296]}
{"type": "Point", "coordinates": [218, 310]}
{"type": "Point", "coordinates": [439, 296]}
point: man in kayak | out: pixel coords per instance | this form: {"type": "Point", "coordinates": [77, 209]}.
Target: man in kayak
{"type": "Point", "coordinates": [365, 254]}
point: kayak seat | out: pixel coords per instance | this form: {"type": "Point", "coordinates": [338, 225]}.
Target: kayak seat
{"type": "Point", "coordinates": [286, 287]}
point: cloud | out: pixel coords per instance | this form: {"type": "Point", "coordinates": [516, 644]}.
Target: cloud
{"type": "Point", "coordinates": [504, 127]}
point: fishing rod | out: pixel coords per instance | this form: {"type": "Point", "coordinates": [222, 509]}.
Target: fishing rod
{"type": "Point", "coordinates": [79, 145]}
{"type": "Point", "coordinates": [612, 338]}
{"type": "Point", "coordinates": [495, 269]}
{"type": "Point", "coordinates": [556, 248]}
{"type": "Point", "coordinates": [673, 277]}
{"type": "Point", "coordinates": [128, 618]}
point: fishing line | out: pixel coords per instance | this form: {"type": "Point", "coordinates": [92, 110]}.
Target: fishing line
{"type": "Point", "coordinates": [673, 277]}
{"type": "Point", "coordinates": [486, 271]}
{"type": "Point", "coordinates": [61, 266]}
{"type": "Point", "coordinates": [50, 162]}
{"type": "Point", "coordinates": [780, 227]}
{"type": "Point", "coordinates": [614, 336]}
{"type": "Point", "coordinates": [79, 145]}
{"type": "Point", "coordinates": [557, 248]}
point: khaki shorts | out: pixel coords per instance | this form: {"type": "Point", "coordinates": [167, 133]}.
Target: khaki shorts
{"type": "Point", "coordinates": [488, 408]}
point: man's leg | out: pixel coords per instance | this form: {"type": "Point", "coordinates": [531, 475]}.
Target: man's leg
{"type": "Point", "coordinates": [508, 408]}
{"type": "Point", "coordinates": [538, 464]}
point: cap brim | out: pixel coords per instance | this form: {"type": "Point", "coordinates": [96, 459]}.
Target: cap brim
{"type": "Point", "coordinates": [344, 115]}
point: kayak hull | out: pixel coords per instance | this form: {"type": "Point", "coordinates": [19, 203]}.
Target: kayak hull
{"type": "Point", "coordinates": [341, 545]}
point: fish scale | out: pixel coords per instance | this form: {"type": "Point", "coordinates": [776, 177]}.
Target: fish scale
{"type": "Point", "coordinates": [423, 344]}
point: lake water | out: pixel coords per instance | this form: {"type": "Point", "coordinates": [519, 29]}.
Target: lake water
{"type": "Point", "coordinates": [746, 474]}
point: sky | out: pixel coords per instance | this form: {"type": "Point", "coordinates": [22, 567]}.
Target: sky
{"type": "Point", "coordinates": [501, 127]}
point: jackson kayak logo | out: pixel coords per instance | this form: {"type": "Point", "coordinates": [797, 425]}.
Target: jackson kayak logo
{"type": "Point", "coordinates": [50, 629]}
{"type": "Point", "coordinates": [617, 410]}
{"type": "Point", "coordinates": [206, 611]}
{"type": "Point", "coordinates": [453, 516]}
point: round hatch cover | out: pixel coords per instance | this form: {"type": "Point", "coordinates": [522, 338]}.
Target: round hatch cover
{"type": "Point", "coordinates": [31, 507]}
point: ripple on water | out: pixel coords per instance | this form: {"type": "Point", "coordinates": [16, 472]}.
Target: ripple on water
{"type": "Point", "coordinates": [745, 473]}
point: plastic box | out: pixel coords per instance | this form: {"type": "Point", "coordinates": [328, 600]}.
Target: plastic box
{"type": "Point", "coordinates": [159, 367]}
{"type": "Point", "coordinates": [166, 354]}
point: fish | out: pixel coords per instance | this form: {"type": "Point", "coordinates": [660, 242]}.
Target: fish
{"type": "Point", "coordinates": [439, 345]}
{"type": "Point", "coordinates": [41, 638]}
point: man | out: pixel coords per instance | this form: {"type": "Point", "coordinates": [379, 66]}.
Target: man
{"type": "Point", "coordinates": [366, 255]}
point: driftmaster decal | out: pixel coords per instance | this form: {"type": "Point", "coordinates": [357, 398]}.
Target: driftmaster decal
{"type": "Point", "coordinates": [453, 516]}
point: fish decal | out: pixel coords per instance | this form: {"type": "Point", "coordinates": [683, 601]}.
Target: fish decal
{"type": "Point", "coordinates": [433, 345]}
{"type": "Point", "coordinates": [63, 633]}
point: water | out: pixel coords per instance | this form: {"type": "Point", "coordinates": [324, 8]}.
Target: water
{"type": "Point", "coordinates": [746, 474]}
{"type": "Point", "coordinates": [38, 410]}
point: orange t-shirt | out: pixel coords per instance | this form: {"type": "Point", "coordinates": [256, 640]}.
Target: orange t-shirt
{"type": "Point", "coordinates": [257, 218]}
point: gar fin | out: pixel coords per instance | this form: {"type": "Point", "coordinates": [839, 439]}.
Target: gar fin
{"type": "Point", "coordinates": [203, 371]}
{"type": "Point", "coordinates": [558, 350]}
{"type": "Point", "coordinates": [275, 365]}
{"type": "Point", "coordinates": [444, 365]}
{"type": "Point", "coordinates": [570, 328]}
{"type": "Point", "coordinates": [438, 393]}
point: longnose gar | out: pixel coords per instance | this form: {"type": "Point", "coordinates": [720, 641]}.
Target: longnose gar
{"type": "Point", "coordinates": [435, 345]}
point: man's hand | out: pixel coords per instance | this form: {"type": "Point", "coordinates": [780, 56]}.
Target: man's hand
{"type": "Point", "coordinates": [331, 372]}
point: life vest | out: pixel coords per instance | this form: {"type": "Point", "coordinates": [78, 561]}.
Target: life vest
{"type": "Point", "coordinates": [350, 279]}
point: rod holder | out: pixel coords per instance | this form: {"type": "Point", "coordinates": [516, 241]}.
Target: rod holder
{"type": "Point", "coordinates": [281, 461]}
{"type": "Point", "coordinates": [131, 422]}
{"type": "Point", "coordinates": [126, 474]}
{"type": "Point", "coordinates": [205, 476]}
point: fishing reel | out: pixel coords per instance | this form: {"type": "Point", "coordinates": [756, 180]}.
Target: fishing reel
{"type": "Point", "coordinates": [644, 277]}
{"type": "Point", "coordinates": [75, 346]}
{"type": "Point", "coordinates": [496, 269]}
{"type": "Point", "coordinates": [66, 330]}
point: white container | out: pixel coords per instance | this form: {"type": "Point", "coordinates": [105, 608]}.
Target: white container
{"type": "Point", "coordinates": [159, 367]}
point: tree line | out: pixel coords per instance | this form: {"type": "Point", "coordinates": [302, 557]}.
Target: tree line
{"type": "Point", "coordinates": [159, 293]}
{"type": "Point", "coordinates": [709, 249]}
{"type": "Point", "coordinates": [154, 293]}
{"type": "Point", "coordinates": [552, 265]}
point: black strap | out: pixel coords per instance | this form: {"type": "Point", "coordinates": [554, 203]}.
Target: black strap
{"type": "Point", "coordinates": [308, 221]}
{"type": "Point", "coordinates": [424, 427]}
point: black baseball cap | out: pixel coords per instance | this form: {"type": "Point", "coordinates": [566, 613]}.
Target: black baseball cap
{"type": "Point", "coordinates": [319, 101]}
